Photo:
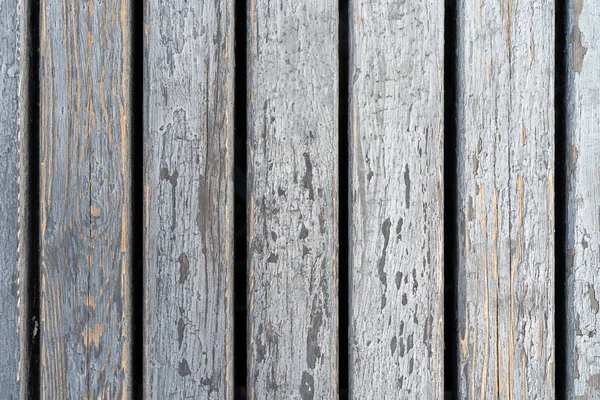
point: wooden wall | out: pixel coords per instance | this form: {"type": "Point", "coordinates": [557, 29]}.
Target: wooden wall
{"type": "Point", "coordinates": [415, 183]}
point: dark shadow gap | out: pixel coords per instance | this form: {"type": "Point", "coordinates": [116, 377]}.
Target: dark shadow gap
{"type": "Point", "coordinates": [137, 199]}
{"type": "Point", "coordinates": [560, 197]}
{"type": "Point", "coordinates": [450, 203]}
{"type": "Point", "coordinates": [343, 179]}
{"type": "Point", "coordinates": [240, 350]}
{"type": "Point", "coordinates": [33, 300]}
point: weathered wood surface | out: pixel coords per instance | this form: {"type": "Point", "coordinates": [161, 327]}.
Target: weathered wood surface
{"type": "Point", "coordinates": [293, 199]}
{"type": "Point", "coordinates": [396, 207]}
{"type": "Point", "coordinates": [85, 210]}
{"type": "Point", "coordinates": [14, 197]}
{"type": "Point", "coordinates": [505, 125]}
{"type": "Point", "coordinates": [188, 177]}
{"type": "Point", "coordinates": [583, 185]}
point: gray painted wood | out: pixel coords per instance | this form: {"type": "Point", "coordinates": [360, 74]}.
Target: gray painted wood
{"type": "Point", "coordinates": [293, 199]}
{"type": "Point", "coordinates": [505, 121]}
{"type": "Point", "coordinates": [188, 178]}
{"type": "Point", "coordinates": [85, 182]}
{"type": "Point", "coordinates": [14, 196]}
{"type": "Point", "coordinates": [396, 208]}
{"type": "Point", "coordinates": [583, 185]}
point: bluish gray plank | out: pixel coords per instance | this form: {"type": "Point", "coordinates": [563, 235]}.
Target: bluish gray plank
{"type": "Point", "coordinates": [188, 178]}
{"type": "Point", "coordinates": [85, 186]}
{"type": "Point", "coordinates": [14, 198]}
{"type": "Point", "coordinates": [396, 208]}
{"type": "Point", "coordinates": [583, 200]}
{"type": "Point", "coordinates": [293, 199]}
{"type": "Point", "coordinates": [505, 136]}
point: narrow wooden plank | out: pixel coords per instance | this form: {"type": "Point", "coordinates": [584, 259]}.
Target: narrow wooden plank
{"type": "Point", "coordinates": [396, 208]}
{"type": "Point", "coordinates": [188, 156]}
{"type": "Point", "coordinates": [505, 121]}
{"type": "Point", "coordinates": [583, 185]}
{"type": "Point", "coordinates": [85, 199]}
{"type": "Point", "coordinates": [292, 188]}
{"type": "Point", "coordinates": [14, 211]}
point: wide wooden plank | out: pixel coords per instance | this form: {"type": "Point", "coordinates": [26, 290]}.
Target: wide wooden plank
{"type": "Point", "coordinates": [293, 199]}
{"type": "Point", "coordinates": [583, 185]}
{"type": "Point", "coordinates": [14, 198]}
{"type": "Point", "coordinates": [85, 187]}
{"type": "Point", "coordinates": [396, 207]}
{"type": "Point", "coordinates": [505, 127]}
{"type": "Point", "coordinates": [188, 177]}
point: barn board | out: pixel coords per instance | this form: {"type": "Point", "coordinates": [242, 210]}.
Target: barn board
{"type": "Point", "coordinates": [85, 185]}
{"type": "Point", "coordinates": [505, 136]}
{"type": "Point", "coordinates": [188, 218]}
{"type": "Point", "coordinates": [583, 197]}
{"type": "Point", "coordinates": [15, 333]}
{"type": "Point", "coordinates": [396, 345]}
{"type": "Point", "coordinates": [293, 199]}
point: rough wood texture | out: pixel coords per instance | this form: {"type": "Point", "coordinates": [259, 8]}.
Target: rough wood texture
{"type": "Point", "coordinates": [396, 208]}
{"type": "Point", "coordinates": [188, 179]}
{"type": "Point", "coordinates": [85, 203]}
{"type": "Point", "coordinates": [14, 193]}
{"type": "Point", "coordinates": [293, 214]}
{"type": "Point", "coordinates": [505, 121]}
{"type": "Point", "coordinates": [583, 185]}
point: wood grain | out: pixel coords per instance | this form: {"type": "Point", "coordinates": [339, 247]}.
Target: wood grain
{"type": "Point", "coordinates": [292, 188]}
{"type": "Point", "coordinates": [583, 185]}
{"type": "Point", "coordinates": [188, 178]}
{"type": "Point", "coordinates": [505, 125]}
{"type": "Point", "coordinates": [396, 207]}
{"type": "Point", "coordinates": [14, 199]}
{"type": "Point", "coordinates": [85, 187]}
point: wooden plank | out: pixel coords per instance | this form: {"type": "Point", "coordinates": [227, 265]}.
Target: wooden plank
{"type": "Point", "coordinates": [85, 187]}
{"type": "Point", "coordinates": [293, 210]}
{"type": "Point", "coordinates": [505, 125]}
{"type": "Point", "coordinates": [583, 162]}
{"type": "Point", "coordinates": [14, 198]}
{"type": "Point", "coordinates": [188, 177]}
{"type": "Point", "coordinates": [396, 208]}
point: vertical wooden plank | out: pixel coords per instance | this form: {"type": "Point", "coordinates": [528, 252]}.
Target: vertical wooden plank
{"type": "Point", "coordinates": [14, 212]}
{"type": "Point", "coordinates": [583, 185]}
{"type": "Point", "coordinates": [85, 199]}
{"type": "Point", "coordinates": [188, 89]}
{"type": "Point", "coordinates": [505, 121]}
{"type": "Point", "coordinates": [396, 208]}
{"type": "Point", "coordinates": [293, 214]}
